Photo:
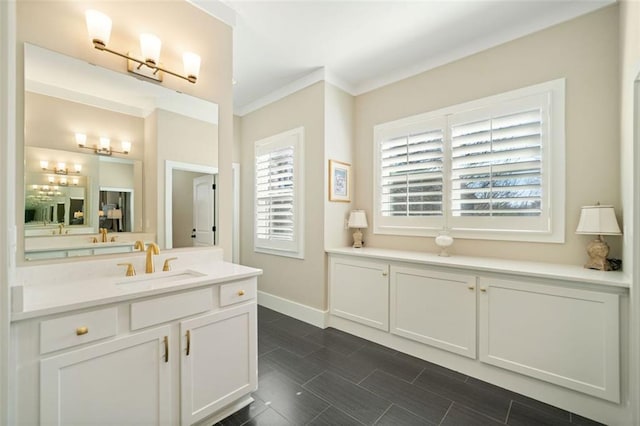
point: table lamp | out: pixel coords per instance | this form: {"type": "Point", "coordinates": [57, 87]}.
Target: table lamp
{"type": "Point", "coordinates": [598, 220]}
{"type": "Point", "coordinates": [357, 221]}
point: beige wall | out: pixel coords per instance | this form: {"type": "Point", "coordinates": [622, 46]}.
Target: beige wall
{"type": "Point", "coordinates": [52, 123]}
{"type": "Point", "coordinates": [339, 133]}
{"type": "Point", "coordinates": [584, 51]}
{"type": "Point", "coordinates": [237, 138]}
{"type": "Point", "coordinates": [60, 26]}
{"type": "Point", "coordinates": [301, 281]}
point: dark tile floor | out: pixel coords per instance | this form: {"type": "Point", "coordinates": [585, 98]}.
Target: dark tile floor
{"type": "Point", "coordinates": [310, 376]}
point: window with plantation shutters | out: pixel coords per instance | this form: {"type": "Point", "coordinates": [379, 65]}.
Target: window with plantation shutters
{"type": "Point", "coordinates": [492, 169]}
{"type": "Point", "coordinates": [278, 183]}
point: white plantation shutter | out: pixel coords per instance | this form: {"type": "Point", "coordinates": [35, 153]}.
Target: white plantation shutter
{"type": "Point", "coordinates": [274, 195]}
{"type": "Point", "coordinates": [491, 168]}
{"type": "Point", "coordinates": [496, 166]}
{"type": "Point", "coordinates": [412, 174]}
{"type": "Point", "coordinates": [278, 185]}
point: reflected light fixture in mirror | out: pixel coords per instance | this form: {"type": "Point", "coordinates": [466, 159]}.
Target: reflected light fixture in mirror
{"type": "Point", "coordinates": [99, 28]}
{"type": "Point", "coordinates": [60, 168]}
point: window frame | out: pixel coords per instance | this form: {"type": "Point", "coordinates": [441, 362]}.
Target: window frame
{"type": "Point", "coordinates": [294, 248]}
{"type": "Point", "coordinates": [551, 226]}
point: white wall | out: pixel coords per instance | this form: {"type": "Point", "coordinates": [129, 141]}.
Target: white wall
{"type": "Point", "coordinates": [584, 51]}
{"type": "Point", "coordinates": [630, 175]}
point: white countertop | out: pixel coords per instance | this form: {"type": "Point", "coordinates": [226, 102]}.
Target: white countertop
{"type": "Point", "coordinates": [84, 289]}
{"type": "Point", "coordinates": [487, 264]}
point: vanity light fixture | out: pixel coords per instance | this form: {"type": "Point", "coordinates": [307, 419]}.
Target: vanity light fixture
{"type": "Point", "coordinates": [60, 168]}
{"type": "Point", "coordinates": [104, 145]}
{"type": "Point", "coordinates": [99, 28]}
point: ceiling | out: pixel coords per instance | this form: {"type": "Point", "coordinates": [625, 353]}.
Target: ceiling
{"type": "Point", "coordinates": [282, 46]}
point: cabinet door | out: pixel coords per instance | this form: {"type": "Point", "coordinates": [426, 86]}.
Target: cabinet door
{"type": "Point", "coordinates": [435, 308]}
{"type": "Point", "coordinates": [565, 336]}
{"type": "Point", "coordinates": [218, 361]}
{"type": "Point", "coordinates": [123, 382]}
{"type": "Point", "coordinates": [359, 291]}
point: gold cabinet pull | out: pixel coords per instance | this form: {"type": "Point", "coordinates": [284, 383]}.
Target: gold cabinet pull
{"type": "Point", "coordinates": [188, 342]}
{"type": "Point", "coordinates": [384, 273]}
{"type": "Point", "coordinates": [241, 293]}
{"type": "Point", "coordinates": [482, 289]}
{"type": "Point", "coordinates": [166, 348]}
{"type": "Point", "coordinates": [471, 287]}
{"type": "Point", "coordinates": [82, 330]}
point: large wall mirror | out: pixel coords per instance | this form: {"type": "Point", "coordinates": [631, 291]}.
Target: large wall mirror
{"type": "Point", "coordinates": [75, 185]}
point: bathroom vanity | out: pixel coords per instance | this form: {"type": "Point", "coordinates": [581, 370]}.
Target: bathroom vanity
{"type": "Point", "coordinates": [171, 347]}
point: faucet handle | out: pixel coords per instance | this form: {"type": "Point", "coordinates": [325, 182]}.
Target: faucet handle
{"type": "Point", "coordinates": [130, 270]}
{"type": "Point", "coordinates": [167, 266]}
{"type": "Point", "coordinates": [94, 240]}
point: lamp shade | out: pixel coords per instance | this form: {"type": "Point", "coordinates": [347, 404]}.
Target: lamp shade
{"type": "Point", "coordinates": [114, 214]}
{"type": "Point", "coordinates": [98, 26]}
{"type": "Point", "coordinates": [150, 46]}
{"type": "Point", "coordinates": [357, 219]}
{"type": "Point", "coordinates": [191, 64]}
{"type": "Point", "coordinates": [598, 220]}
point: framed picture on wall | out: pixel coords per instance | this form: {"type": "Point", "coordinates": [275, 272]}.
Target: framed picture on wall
{"type": "Point", "coordinates": [339, 181]}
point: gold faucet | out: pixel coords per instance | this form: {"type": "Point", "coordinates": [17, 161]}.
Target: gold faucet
{"type": "Point", "coordinates": [60, 228]}
{"type": "Point", "coordinates": [103, 232]}
{"type": "Point", "coordinates": [152, 249]}
{"type": "Point", "coordinates": [139, 245]}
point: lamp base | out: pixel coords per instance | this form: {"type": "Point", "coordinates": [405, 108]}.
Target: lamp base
{"type": "Point", "coordinates": [598, 250]}
{"type": "Point", "coordinates": [357, 239]}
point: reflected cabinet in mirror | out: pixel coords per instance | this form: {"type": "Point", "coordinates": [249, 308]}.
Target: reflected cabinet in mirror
{"type": "Point", "coordinates": [100, 150]}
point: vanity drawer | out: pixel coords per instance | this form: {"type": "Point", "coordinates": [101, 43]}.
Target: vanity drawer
{"type": "Point", "coordinates": [77, 329]}
{"type": "Point", "coordinates": [168, 308]}
{"type": "Point", "coordinates": [237, 292]}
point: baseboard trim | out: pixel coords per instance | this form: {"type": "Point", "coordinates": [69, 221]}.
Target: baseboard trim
{"type": "Point", "coordinates": [293, 309]}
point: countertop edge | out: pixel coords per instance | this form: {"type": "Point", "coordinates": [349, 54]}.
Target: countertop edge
{"type": "Point", "coordinates": [493, 265]}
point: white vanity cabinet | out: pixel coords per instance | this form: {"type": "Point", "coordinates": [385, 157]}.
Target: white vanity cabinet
{"type": "Point", "coordinates": [436, 308]}
{"type": "Point", "coordinates": [176, 358]}
{"type": "Point", "coordinates": [124, 381]}
{"type": "Point", "coordinates": [218, 361]}
{"type": "Point", "coordinates": [565, 336]}
{"type": "Point", "coordinates": [359, 291]}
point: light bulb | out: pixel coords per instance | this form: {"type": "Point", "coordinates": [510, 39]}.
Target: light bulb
{"type": "Point", "coordinates": [77, 168]}
{"type": "Point", "coordinates": [44, 165]}
{"type": "Point", "coordinates": [126, 147]}
{"type": "Point", "coordinates": [62, 166]}
{"type": "Point", "coordinates": [105, 144]}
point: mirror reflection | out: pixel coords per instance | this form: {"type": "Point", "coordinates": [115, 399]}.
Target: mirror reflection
{"type": "Point", "coordinates": [92, 137]}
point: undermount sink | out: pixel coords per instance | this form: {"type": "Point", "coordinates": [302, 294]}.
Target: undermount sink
{"type": "Point", "coordinates": [162, 277]}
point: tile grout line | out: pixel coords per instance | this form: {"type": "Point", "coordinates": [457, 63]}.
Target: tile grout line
{"type": "Point", "coordinates": [447, 413]}
{"type": "Point", "coordinates": [383, 413]}
{"type": "Point", "coordinates": [319, 414]}
{"type": "Point", "coordinates": [508, 411]}
{"type": "Point", "coordinates": [413, 382]}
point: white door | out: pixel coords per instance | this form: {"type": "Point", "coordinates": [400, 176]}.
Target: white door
{"type": "Point", "coordinates": [218, 365]}
{"type": "Point", "coordinates": [203, 233]}
{"type": "Point", "coordinates": [126, 381]}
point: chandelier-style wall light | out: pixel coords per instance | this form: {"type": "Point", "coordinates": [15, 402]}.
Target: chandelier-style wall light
{"type": "Point", "coordinates": [99, 28]}
{"type": "Point", "coordinates": [104, 145]}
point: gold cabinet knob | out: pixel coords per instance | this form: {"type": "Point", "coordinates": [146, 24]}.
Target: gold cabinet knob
{"type": "Point", "coordinates": [384, 273]}
{"type": "Point", "coordinates": [82, 330]}
{"type": "Point", "coordinates": [241, 293]}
